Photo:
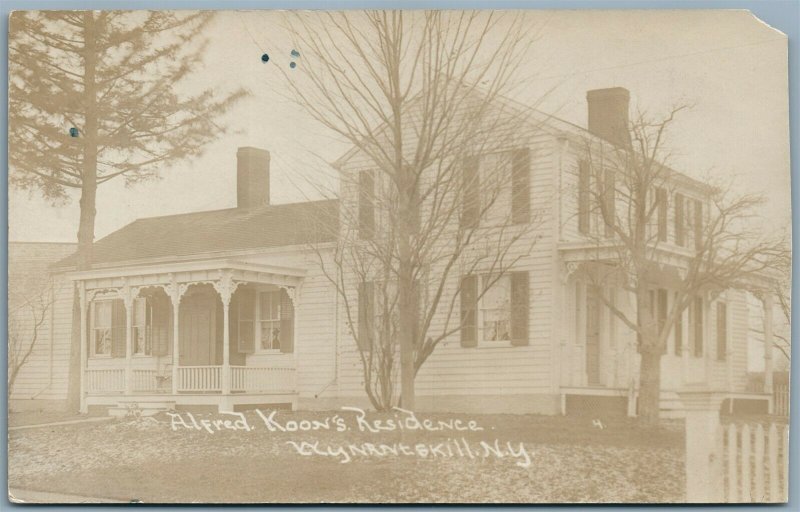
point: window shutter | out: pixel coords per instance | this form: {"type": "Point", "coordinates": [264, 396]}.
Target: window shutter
{"type": "Point", "coordinates": [245, 320]}
{"type": "Point", "coordinates": [366, 205]}
{"type": "Point", "coordinates": [470, 184]}
{"type": "Point", "coordinates": [118, 326]}
{"type": "Point", "coordinates": [469, 311]}
{"type": "Point", "coordinates": [583, 197]}
{"type": "Point", "coordinates": [679, 222]}
{"type": "Point", "coordinates": [722, 331]}
{"type": "Point", "coordinates": [678, 330]}
{"type": "Point", "coordinates": [287, 323]}
{"type": "Point", "coordinates": [520, 186]}
{"type": "Point", "coordinates": [160, 325]}
{"type": "Point", "coordinates": [520, 308]}
{"type": "Point", "coordinates": [698, 327]}
{"type": "Point", "coordinates": [365, 315]}
{"type": "Point", "coordinates": [698, 224]}
{"type": "Point", "coordinates": [661, 213]}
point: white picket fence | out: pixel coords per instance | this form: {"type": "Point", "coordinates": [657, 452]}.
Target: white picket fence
{"type": "Point", "coordinates": [780, 396]}
{"type": "Point", "coordinates": [755, 463]}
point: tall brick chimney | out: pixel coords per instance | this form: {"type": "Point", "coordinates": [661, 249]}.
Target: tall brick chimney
{"type": "Point", "coordinates": [608, 114]}
{"type": "Point", "coordinates": [252, 177]}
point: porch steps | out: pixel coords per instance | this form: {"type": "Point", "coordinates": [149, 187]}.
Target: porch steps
{"type": "Point", "coordinates": [133, 407]}
{"type": "Point", "coordinates": [670, 405]}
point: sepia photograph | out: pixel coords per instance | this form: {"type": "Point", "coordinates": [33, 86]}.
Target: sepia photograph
{"type": "Point", "coordinates": [398, 256]}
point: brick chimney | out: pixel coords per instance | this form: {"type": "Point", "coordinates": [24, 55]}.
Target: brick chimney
{"type": "Point", "coordinates": [608, 114]}
{"type": "Point", "coordinates": [252, 177]}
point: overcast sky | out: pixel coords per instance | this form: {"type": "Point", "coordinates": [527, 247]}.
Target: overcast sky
{"type": "Point", "coordinates": [731, 67]}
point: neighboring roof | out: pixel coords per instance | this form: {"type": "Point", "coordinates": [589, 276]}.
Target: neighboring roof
{"type": "Point", "coordinates": [217, 231]}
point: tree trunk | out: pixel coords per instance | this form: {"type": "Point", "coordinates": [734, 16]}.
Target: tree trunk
{"type": "Point", "coordinates": [88, 210]}
{"type": "Point", "coordinates": [649, 385]}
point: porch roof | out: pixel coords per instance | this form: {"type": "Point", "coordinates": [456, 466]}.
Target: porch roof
{"type": "Point", "coordinates": [218, 231]}
{"type": "Point", "coordinates": [186, 273]}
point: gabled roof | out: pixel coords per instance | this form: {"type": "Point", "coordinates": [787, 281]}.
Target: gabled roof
{"type": "Point", "coordinates": [216, 231]}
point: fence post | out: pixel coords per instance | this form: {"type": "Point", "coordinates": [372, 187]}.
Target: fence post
{"type": "Point", "coordinates": [703, 461]}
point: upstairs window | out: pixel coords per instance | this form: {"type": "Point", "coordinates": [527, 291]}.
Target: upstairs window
{"type": "Point", "coordinates": [583, 197]}
{"type": "Point", "coordinates": [680, 226]}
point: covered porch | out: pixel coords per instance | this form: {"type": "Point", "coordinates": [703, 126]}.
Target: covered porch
{"type": "Point", "coordinates": [707, 344]}
{"type": "Point", "coordinates": [212, 333]}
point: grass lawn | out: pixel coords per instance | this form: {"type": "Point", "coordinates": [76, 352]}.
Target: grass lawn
{"type": "Point", "coordinates": [571, 460]}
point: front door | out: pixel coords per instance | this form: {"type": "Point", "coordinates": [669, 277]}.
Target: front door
{"type": "Point", "coordinates": [593, 336]}
{"type": "Point", "coordinates": [197, 330]}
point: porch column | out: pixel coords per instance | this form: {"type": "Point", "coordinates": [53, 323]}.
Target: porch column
{"type": "Point", "coordinates": [175, 297]}
{"type": "Point", "coordinates": [226, 344]}
{"type": "Point", "coordinates": [84, 347]}
{"type": "Point", "coordinates": [768, 341]}
{"type": "Point", "coordinates": [128, 300]}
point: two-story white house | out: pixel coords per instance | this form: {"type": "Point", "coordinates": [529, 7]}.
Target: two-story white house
{"type": "Point", "coordinates": [230, 309]}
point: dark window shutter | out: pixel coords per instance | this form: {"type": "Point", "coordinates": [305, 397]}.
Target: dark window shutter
{"type": "Point", "coordinates": [698, 224]}
{"type": "Point", "coordinates": [583, 197]}
{"type": "Point", "coordinates": [520, 186]}
{"type": "Point", "coordinates": [118, 327]}
{"type": "Point", "coordinates": [609, 200]}
{"type": "Point", "coordinates": [366, 205]}
{"type": "Point", "coordinates": [678, 331]}
{"type": "Point", "coordinates": [661, 197]}
{"type": "Point", "coordinates": [722, 330]}
{"type": "Point", "coordinates": [698, 327]}
{"type": "Point", "coordinates": [365, 315]}
{"type": "Point", "coordinates": [469, 311]}
{"type": "Point", "coordinates": [244, 319]}
{"type": "Point", "coordinates": [287, 323]}
{"type": "Point", "coordinates": [160, 324]}
{"type": "Point", "coordinates": [471, 199]}
{"type": "Point", "coordinates": [679, 222]}
{"type": "Point", "coordinates": [520, 308]}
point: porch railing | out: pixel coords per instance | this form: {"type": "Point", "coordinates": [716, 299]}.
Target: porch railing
{"type": "Point", "coordinates": [258, 379]}
{"type": "Point", "coordinates": [199, 378]}
{"type": "Point", "coordinates": [145, 380]}
{"type": "Point", "coordinates": [105, 381]}
{"type": "Point", "coordinates": [195, 379]}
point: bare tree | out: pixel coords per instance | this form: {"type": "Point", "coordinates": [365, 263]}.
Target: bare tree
{"type": "Point", "coordinates": [96, 95]}
{"type": "Point", "coordinates": [28, 310]}
{"type": "Point", "coordinates": [625, 192]}
{"type": "Point", "coordinates": [419, 95]}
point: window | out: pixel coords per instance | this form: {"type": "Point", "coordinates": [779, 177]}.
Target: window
{"type": "Point", "coordinates": [698, 223]}
{"type": "Point", "coordinates": [366, 205]}
{"type": "Point", "coordinates": [583, 197]}
{"type": "Point", "coordinates": [102, 328]}
{"type": "Point", "coordinates": [270, 320]}
{"type": "Point", "coordinates": [245, 322]}
{"type": "Point", "coordinates": [495, 309]}
{"type": "Point", "coordinates": [722, 331]}
{"type": "Point", "coordinates": [495, 187]}
{"type": "Point", "coordinates": [142, 326]}
{"type": "Point", "coordinates": [696, 326]}
{"type": "Point", "coordinates": [108, 328]}
{"type": "Point", "coordinates": [499, 314]}
{"type": "Point", "coordinates": [661, 213]}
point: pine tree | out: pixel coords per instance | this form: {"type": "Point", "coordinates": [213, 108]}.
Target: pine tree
{"type": "Point", "coordinates": [96, 95]}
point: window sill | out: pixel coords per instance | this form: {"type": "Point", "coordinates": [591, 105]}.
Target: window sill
{"type": "Point", "coordinates": [101, 356]}
{"type": "Point", "coordinates": [269, 352]}
{"type": "Point", "coordinates": [495, 344]}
